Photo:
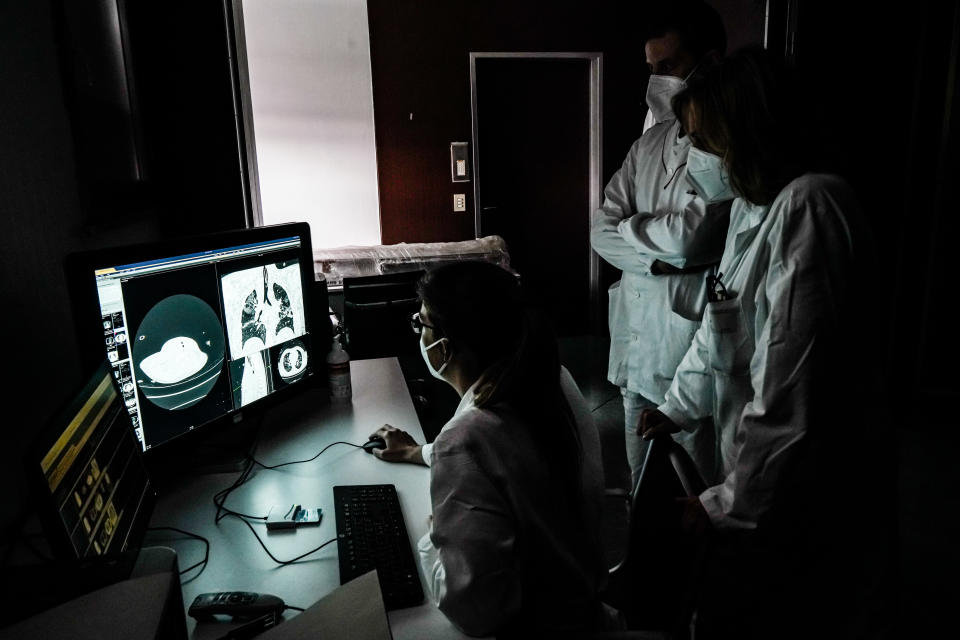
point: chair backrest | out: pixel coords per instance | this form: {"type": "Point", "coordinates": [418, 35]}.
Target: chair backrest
{"type": "Point", "coordinates": [654, 585]}
{"type": "Point", "coordinates": [376, 314]}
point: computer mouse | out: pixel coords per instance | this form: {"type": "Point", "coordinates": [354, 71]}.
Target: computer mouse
{"type": "Point", "coordinates": [375, 442]}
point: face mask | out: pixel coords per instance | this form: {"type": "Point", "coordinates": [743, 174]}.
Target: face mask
{"type": "Point", "coordinates": [438, 374]}
{"type": "Point", "coordinates": [660, 91]}
{"type": "Point", "coordinates": [708, 177]}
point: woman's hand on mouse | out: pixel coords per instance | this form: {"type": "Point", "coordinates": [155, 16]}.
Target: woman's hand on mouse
{"type": "Point", "coordinates": [401, 447]}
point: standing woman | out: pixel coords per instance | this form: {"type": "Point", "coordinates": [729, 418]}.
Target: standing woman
{"type": "Point", "coordinates": [516, 481]}
{"type": "Point", "coordinates": [784, 363]}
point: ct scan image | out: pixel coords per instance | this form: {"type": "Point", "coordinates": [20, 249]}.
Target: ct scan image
{"type": "Point", "coordinates": [251, 378]}
{"type": "Point", "coordinates": [290, 361]}
{"type": "Point", "coordinates": [178, 352]}
{"type": "Point", "coordinates": [263, 307]}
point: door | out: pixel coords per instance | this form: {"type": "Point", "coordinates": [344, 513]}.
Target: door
{"type": "Point", "coordinates": [536, 163]}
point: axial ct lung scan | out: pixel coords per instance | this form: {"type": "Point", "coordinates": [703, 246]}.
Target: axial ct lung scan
{"type": "Point", "coordinates": [178, 352]}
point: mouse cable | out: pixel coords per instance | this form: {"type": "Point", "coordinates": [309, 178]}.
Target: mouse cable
{"type": "Point", "coordinates": [206, 550]}
{"type": "Point", "coordinates": [274, 558]}
{"type": "Point", "coordinates": [284, 464]}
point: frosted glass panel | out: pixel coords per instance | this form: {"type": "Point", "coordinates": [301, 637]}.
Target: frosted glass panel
{"type": "Point", "coordinates": [310, 89]}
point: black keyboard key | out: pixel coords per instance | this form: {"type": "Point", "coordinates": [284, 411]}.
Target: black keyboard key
{"type": "Point", "coordinates": [372, 535]}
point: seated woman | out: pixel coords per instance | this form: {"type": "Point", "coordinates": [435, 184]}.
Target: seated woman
{"type": "Point", "coordinates": [781, 363]}
{"type": "Point", "coordinates": [516, 480]}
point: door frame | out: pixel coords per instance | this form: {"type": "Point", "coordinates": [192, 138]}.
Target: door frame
{"type": "Point", "coordinates": [595, 151]}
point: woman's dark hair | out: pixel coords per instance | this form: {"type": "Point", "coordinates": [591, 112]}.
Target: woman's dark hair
{"type": "Point", "coordinates": [749, 104]}
{"type": "Point", "coordinates": [480, 308]}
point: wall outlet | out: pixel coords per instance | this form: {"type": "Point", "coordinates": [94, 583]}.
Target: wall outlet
{"type": "Point", "coordinates": [459, 202]}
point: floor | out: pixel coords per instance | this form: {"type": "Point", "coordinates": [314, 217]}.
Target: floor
{"type": "Point", "coordinates": [925, 503]}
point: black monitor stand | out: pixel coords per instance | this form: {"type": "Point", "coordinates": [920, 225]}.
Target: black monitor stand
{"type": "Point", "coordinates": [223, 451]}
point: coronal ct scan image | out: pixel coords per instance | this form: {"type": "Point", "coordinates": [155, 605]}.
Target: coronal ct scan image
{"type": "Point", "coordinates": [263, 307]}
{"type": "Point", "coordinates": [178, 352]}
{"type": "Point", "coordinates": [251, 378]}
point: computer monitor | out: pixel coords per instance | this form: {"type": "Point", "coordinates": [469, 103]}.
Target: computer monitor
{"type": "Point", "coordinates": [94, 494]}
{"type": "Point", "coordinates": [198, 330]}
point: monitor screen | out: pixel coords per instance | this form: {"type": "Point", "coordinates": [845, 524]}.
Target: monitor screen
{"type": "Point", "coordinates": [97, 496]}
{"type": "Point", "coordinates": [197, 329]}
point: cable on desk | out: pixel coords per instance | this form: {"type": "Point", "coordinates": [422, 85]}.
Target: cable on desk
{"type": "Point", "coordinates": [287, 606]}
{"type": "Point", "coordinates": [220, 498]}
{"type": "Point", "coordinates": [274, 558]}
{"type": "Point", "coordinates": [206, 551]}
{"type": "Point", "coordinates": [284, 464]}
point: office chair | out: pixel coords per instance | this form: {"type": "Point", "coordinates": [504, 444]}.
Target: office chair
{"type": "Point", "coordinates": [376, 314]}
{"type": "Point", "coordinates": [654, 586]}
{"type": "Point", "coordinates": [376, 324]}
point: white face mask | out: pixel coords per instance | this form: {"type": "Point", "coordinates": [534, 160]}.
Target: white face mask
{"type": "Point", "coordinates": [438, 374]}
{"type": "Point", "coordinates": [708, 177]}
{"type": "Point", "coordinates": [660, 91]}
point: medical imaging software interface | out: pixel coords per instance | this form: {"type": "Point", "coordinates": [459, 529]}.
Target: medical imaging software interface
{"type": "Point", "coordinates": [94, 474]}
{"type": "Point", "coordinates": [193, 337]}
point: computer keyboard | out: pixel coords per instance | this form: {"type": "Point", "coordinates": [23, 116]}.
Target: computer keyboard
{"type": "Point", "coordinates": [372, 535]}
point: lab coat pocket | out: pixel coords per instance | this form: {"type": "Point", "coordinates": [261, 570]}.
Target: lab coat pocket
{"type": "Point", "coordinates": [728, 339]}
{"type": "Point", "coordinates": [619, 334]}
{"type": "Point", "coordinates": [614, 314]}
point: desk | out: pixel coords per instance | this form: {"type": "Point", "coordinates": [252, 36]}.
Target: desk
{"type": "Point", "coordinates": [297, 430]}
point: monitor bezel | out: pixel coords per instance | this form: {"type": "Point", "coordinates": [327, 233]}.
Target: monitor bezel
{"type": "Point", "coordinates": [80, 268]}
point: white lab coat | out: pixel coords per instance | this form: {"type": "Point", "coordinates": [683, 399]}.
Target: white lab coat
{"type": "Point", "coordinates": [650, 213]}
{"type": "Point", "coordinates": [648, 120]}
{"type": "Point", "coordinates": [502, 550]}
{"type": "Point", "coordinates": [759, 363]}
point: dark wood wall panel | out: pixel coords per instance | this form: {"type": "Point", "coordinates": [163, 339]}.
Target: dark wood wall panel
{"type": "Point", "coordinates": [420, 61]}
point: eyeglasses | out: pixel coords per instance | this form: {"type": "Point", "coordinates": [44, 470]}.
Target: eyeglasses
{"type": "Point", "coordinates": [417, 324]}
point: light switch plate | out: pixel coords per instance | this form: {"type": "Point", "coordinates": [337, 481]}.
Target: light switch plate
{"type": "Point", "coordinates": [459, 202]}
{"type": "Point", "coordinates": [459, 162]}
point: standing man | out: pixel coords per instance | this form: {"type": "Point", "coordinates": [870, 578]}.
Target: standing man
{"type": "Point", "coordinates": [659, 233]}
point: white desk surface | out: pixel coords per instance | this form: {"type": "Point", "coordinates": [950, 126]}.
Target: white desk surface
{"type": "Point", "coordinates": [297, 430]}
